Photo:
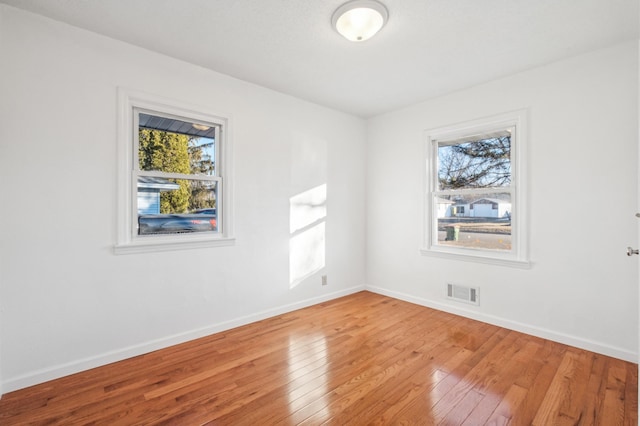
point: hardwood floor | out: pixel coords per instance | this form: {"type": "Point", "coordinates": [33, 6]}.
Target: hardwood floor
{"type": "Point", "coordinates": [361, 359]}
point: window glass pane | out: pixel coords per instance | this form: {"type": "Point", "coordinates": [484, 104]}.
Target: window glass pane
{"type": "Point", "coordinates": [474, 220]}
{"type": "Point", "coordinates": [174, 146]}
{"type": "Point", "coordinates": [172, 206]}
{"type": "Point", "coordinates": [475, 163]}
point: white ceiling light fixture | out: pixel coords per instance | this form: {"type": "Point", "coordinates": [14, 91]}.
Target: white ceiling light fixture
{"type": "Point", "coordinates": [359, 20]}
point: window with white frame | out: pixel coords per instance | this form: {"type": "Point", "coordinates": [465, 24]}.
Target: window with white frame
{"type": "Point", "coordinates": [174, 173]}
{"type": "Point", "coordinates": [474, 206]}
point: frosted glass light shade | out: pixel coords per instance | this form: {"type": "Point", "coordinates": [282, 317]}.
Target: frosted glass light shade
{"type": "Point", "coordinates": [359, 20]}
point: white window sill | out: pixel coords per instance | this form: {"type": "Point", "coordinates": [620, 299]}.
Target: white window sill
{"type": "Point", "coordinates": [157, 244]}
{"type": "Point", "coordinates": [477, 257]}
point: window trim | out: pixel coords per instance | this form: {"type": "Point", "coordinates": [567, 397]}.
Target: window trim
{"type": "Point", "coordinates": [127, 241]}
{"type": "Point", "coordinates": [519, 255]}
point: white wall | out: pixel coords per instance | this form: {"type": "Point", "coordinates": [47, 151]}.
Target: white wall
{"type": "Point", "coordinates": [582, 289]}
{"type": "Point", "coordinates": [68, 303]}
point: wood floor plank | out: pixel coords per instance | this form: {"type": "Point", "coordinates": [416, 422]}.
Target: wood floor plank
{"type": "Point", "coordinates": [630, 400]}
{"type": "Point", "coordinates": [500, 393]}
{"type": "Point", "coordinates": [503, 413]}
{"type": "Point", "coordinates": [559, 400]}
{"type": "Point", "coordinates": [613, 409]}
{"type": "Point", "coordinates": [545, 363]}
{"type": "Point", "coordinates": [412, 382]}
{"type": "Point", "coordinates": [475, 381]}
{"type": "Point", "coordinates": [592, 399]}
{"type": "Point", "coordinates": [425, 353]}
{"type": "Point", "coordinates": [360, 359]}
{"type": "Point", "coordinates": [347, 391]}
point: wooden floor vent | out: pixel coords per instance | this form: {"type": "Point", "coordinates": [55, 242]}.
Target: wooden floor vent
{"type": "Point", "coordinates": [463, 294]}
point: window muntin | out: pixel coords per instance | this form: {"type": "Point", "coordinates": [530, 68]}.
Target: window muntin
{"type": "Point", "coordinates": [474, 206]}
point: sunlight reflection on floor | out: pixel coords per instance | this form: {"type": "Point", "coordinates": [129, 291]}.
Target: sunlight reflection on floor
{"type": "Point", "coordinates": [308, 360]}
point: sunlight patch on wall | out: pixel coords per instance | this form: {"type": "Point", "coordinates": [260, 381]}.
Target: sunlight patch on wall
{"type": "Point", "coordinates": [306, 254]}
{"type": "Point", "coordinates": [307, 215]}
{"type": "Point", "coordinates": [307, 208]}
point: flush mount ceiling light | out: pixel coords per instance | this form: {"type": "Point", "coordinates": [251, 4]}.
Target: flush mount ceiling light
{"type": "Point", "coordinates": [359, 20]}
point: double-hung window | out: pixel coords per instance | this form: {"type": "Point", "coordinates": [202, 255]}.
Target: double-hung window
{"type": "Point", "coordinates": [474, 196]}
{"type": "Point", "coordinates": [174, 172]}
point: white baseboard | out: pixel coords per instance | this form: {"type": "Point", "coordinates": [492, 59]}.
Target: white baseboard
{"type": "Point", "coordinates": [44, 375]}
{"type": "Point", "coordinates": [555, 336]}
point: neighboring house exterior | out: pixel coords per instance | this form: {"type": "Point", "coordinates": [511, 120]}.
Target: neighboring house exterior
{"type": "Point", "coordinates": [444, 207]}
{"type": "Point", "coordinates": [489, 207]}
{"type": "Point", "coordinates": [149, 189]}
{"type": "Point", "coordinates": [483, 207]}
{"type": "Point", "coordinates": [459, 209]}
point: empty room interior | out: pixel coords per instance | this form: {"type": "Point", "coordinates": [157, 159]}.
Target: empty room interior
{"type": "Point", "coordinates": [294, 212]}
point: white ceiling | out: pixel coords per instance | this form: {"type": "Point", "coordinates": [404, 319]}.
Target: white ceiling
{"type": "Point", "coordinates": [428, 47]}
